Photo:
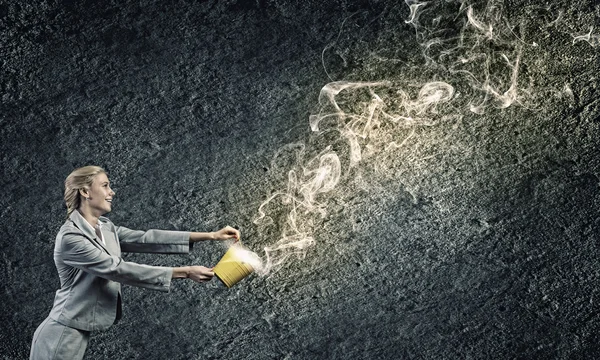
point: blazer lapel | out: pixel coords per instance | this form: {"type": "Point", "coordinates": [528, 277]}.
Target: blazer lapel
{"type": "Point", "coordinates": [87, 230]}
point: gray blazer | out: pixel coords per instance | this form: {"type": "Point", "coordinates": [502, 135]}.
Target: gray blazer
{"type": "Point", "coordinates": [91, 273]}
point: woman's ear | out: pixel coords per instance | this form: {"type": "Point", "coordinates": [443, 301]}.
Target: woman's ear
{"type": "Point", "coordinates": [84, 192]}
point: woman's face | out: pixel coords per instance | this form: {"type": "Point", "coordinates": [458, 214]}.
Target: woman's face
{"type": "Point", "coordinates": [100, 194]}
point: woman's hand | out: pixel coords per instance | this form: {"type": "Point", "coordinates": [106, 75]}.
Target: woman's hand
{"type": "Point", "coordinates": [226, 233]}
{"type": "Point", "coordinates": [200, 273]}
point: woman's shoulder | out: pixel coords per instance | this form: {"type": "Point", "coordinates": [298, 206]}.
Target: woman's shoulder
{"type": "Point", "coordinates": [67, 231]}
{"type": "Point", "coordinates": [68, 227]}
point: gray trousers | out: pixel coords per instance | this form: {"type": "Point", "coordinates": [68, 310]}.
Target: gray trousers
{"type": "Point", "coordinates": [55, 341]}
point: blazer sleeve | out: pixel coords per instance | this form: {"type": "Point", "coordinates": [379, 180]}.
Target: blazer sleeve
{"type": "Point", "coordinates": [154, 241]}
{"type": "Point", "coordinates": [79, 252]}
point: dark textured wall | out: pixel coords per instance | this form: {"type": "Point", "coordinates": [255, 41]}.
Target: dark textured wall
{"type": "Point", "coordinates": [478, 238]}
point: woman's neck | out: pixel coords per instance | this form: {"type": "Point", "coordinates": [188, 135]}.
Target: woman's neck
{"type": "Point", "coordinates": [89, 215]}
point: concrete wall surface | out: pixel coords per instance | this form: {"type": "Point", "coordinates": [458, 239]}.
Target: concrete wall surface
{"type": "Point", "coordinates": [420, 179]}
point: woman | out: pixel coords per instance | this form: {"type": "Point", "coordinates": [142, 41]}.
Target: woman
{"type": "Point", "coordinates": [87, 254]}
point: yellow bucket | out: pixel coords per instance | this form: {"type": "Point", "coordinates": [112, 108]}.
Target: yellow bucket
{"type": "Point", "coordinates": [235, 265]}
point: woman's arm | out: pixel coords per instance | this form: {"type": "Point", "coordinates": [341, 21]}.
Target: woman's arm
{"type": "Point", "coordinates": [201, 236]}
{"type": "Point", "coordinates": [196, 273]}
{"type": "Point", "coordinates": [153, 241]}
{"type": "Point", "coordinates": [167, 241]}
{"type": "Point", "coordinates": [77, 251]}
{"type": "Point", "coordinates": [225, 233]}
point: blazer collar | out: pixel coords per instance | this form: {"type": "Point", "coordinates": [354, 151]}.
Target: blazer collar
{"type": "Point", "coordinates": [86, 228]}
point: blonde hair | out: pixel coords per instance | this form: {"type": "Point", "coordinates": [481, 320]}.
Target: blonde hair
{"type": "Point", "coordinates": [81, 178]}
